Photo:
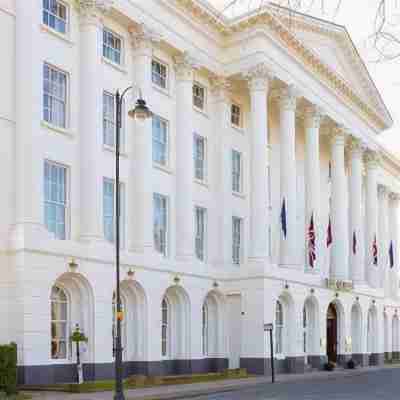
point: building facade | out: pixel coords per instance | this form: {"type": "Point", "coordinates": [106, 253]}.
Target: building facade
{"type": "Point", "coordinates": [257, 193]}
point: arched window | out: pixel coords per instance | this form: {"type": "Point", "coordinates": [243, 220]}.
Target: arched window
{"type": "Point", "coordinates": [164, 329]}
{"type": "Point", "coordinates": [59, 324]}
{"type": "Point", "coordinates": [205, 329]}
{"type": "Point", "coordinates": [123, 325]}
{"type": "Point", "coordinates": [279, 328]}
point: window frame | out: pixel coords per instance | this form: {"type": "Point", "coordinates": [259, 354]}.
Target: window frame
{"type": "Point", "coordinates": [56, 17]}
{"type": "Point", "coordinates": [166, 145]}
{"type": "Point", "coordinates": [109, 94]}
{"type": "Point", "coordinates": [105, 45]}
{"type": "Point", "coordinates": [67, 223]}
{"type": "Point", "coordinates": [67, 322]}
{"type": "Point", "coordinates": [165, 252]}
{"type": "Point", "coordinates": [240, 122]}
{"type": "Point", "coordinates": [233, 174]}
{"type": "Point", "coordinates": [165, 88]}
{"type": "Point", "coordinates": [204, 212]}
{"type": "Point", "coordinates": [66, 103]}
{"type": "Point", "coordinates": [194, 96]}
{"type": "Point", "coordinates": [239, 247]}
{"type": "Point", "coordinates": [197, 137]}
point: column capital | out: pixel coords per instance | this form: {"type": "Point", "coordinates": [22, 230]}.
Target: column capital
{"type": "Point", "coordinates": [93, 10]}
{"type": "Point", "coordinates": [355, 146]}
{"type": "Point", "coordinates": [287, 97]}
{"type": "Point", "coordinates": [337, 135]}
{"type": "Point", "coordinates": [220, 87]}
{"type": "Point", "coordinates": [185, 65]}
{"type": "Point", "coordinates": [259, 77]}
{"type": "Point", "coordinates": [372, 158]}
{"type": "Point", "coordinates": [313, 116]}
{"type": "Point", "coordinates": [143, 37]}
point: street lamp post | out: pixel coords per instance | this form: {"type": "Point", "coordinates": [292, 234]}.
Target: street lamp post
{"type": "Point", "coordinates": [139, 112]}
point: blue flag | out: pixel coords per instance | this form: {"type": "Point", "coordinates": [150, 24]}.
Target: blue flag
{"type": "Point", "coordinates": [283, 218]}
{"type": "Point", "coordinates": [391, 255]}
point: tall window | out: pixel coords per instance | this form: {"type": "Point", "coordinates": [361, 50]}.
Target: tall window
{"type": "Point", "coordinates": [236, 171]}
{"type": "Point", "coordinates": [54, 96]}
{"type": "Point", "coordinates": [159, 74]}
{"type": "Point", "coordinates": [59, 324]}
{"type": "Point", "coordinates": [199, 96]}
{"type": "Point", "coordinates": [200, 229]}
{"type": "Point", "coordinates": [160, 140]}
{"type": "Point", "coordinates": [279, 328]}
{"type": "Point", "coordinates": [236, 240]}
{"type": "Point", "coordinates": [164, 328]}
{"type": "Point", "coordinates": [55, 15]}
{"type": "Point", "coordinates": [199, 157]}
{"type": "Point", "coordinates": [123, 324]}
{"type": "Point", "coordinates": [112, 46]}
{"type": "Point", "coordinates": [109, 211]}
{"type": "Point", "coordinates": [205, 329]}
{"type": "Point", "coordinates": [160, 223]}
{"type": "Point", "coordinates": [55, 199]}
{"type": "Point", "coordinates": [236, 115]}
{"type": "Point", "coordinates": [109, 125]}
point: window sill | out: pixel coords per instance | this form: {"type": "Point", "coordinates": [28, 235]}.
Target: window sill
{"type": "Point", "coordinates": [55, 128]}
{"type": "Point", "coordinates": [61, 361]}
{"type": "Point", "coordinates": [161, 90]}
{"type": "Point", "coordinates": [163, 168]}
{"type": "Point", "coordinates": [111, 149]}
{"type": "Point", "coordinates": [62, 36]}
{"type": "Point", "coordinates": [118, 67]}
{"type": "Point", "coordinates": [238, 129]}
{"type": "Point", "coordinates": [200, 111]}
{"type": "Point", "coordinates": [201, 183]}
{"type": "Point", "coordinates": [239, 194]}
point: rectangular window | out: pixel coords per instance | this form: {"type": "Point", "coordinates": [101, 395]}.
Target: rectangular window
{"type": "Point", "coordinates": [160, 140]}
{"type": "Point", "coordinates": [55, 199]}
{"type": "Point", "coordinates": [160, 223]}
{"type": "Point", "coordinates": [236, 240]}
{"type": "Point", "coordinates": [112, 46]}
{"type": "Point", "coordinates": [108, 119]}
{"type": "Point", "coordinates": [159, 74]}
{"type": "Point", "coordinates": [199, 157]}
{"type": "Point", "coordinates": [54, 96]}
{"type": "Point", "coordinates": [199, 96]}
{"type": "Point", "coordinates": [200, 232]}
{"type": "Point", "coordinates": [55, 15]}
{"type": "Point", "coordinates": [109, 211]}
{"type": "Point", "coordinates": [236, 171]}
{"type": "Point", "coordinates": [236, 115]}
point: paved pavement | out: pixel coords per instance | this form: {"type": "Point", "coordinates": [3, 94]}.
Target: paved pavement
{"type": "Point", "coordinates": [363, 384]}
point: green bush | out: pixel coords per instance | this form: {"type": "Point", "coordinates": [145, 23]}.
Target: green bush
{"type": "Point", "coordinates": [8, 368]}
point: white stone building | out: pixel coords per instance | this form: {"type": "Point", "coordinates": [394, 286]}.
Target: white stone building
{"type": "Point", "coordinates": [250, 114]}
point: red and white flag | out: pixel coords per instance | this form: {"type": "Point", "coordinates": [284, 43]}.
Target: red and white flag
{"type": "Point", "coordinates": [329, 234]}
{"type": "Point", "coordinates": [375, 252]}
{"type": "Point", "coordinates": [311, 243]}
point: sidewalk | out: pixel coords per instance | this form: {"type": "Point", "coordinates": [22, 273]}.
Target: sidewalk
{"type": "Point", "coordinates": [175, 392]}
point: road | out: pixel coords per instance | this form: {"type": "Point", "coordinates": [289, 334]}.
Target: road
{"type": "Point", "coordinates": [374, 385]}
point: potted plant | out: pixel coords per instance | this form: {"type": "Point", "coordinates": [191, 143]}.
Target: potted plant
{"type": "Point", "coordinates": [351, 364]}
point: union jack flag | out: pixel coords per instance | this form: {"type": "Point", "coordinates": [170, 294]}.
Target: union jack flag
{"type": "Point", "coordinates": [375, 252]}
{"type": "Point", "coordinates": [311, 243]}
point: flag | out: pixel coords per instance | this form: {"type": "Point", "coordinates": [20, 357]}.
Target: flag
{"type": "Point", "coordinates": [391, 255]}
{"type": "Point", "coordinates": [375, 252]}
{"type": "Point", "coordinates": [311, 243]}
{"type": "Point", "coordinates": [329, 234]}
{"type": "Point", "coordinates": [354, 243]}
{"type": "Point", "coordinates": [283, 218]}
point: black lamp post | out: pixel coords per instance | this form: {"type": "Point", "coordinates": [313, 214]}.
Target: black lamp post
{"type": "Point", "coordinates": [139, 112]}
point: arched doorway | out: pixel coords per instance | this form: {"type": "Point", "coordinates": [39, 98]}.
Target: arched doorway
{"type": "Point", "coordinates": [332, 332]}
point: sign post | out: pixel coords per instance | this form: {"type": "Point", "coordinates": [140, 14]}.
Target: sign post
{"type": "Point", "coordinates": [270, 328]}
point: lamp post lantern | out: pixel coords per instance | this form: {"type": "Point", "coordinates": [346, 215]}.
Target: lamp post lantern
{"type": "Point", "coordinates": [139, 112]}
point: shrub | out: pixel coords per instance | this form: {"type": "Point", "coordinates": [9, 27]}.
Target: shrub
{"type": "Point", "coordinates": [351, 364]}
{"type": "Point", "coordinates": [8, 368]}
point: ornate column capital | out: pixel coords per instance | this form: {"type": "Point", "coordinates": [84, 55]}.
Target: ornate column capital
{"type": "Point", "coordinates": [356, 146]}
{"type": "Point", "coordinates": [287, 97]}
{"type": "Point", "coordinates": [259, 77]}
{"type": "Point", "coordinates": [337, 135]}
{"type": "Point", "coordinates": [313, 116]}
{"type": "Point", "coordinates": [220, 87]}
{"type": "Point", "coordinates": [371, 158]}
{"type": "Point", "coordinates": [184, 66]}
{"type": "Point", "coordinates": [92, 11]}
{"type": "Point", "coordinates": [143, 37]}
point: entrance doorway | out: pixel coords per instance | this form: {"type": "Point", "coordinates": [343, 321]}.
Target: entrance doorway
{"type": "Point", "coordinates": [331, 333]}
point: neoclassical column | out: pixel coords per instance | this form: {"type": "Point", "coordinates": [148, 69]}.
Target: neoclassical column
{"type": "Point", "coordinates": [287, 99]}
{"type": "Point", "coordinates": [140, 183]}
{"type": "Point", "coordinates": [339, 252]}
{"type": "Point", "coordinates": [184, 70]}
{"type": "Point", "coordinates": [221, 140]}
{"type": "Point", "coordinates": [259, 78]}
{"type": "Point", "coordinates": [371, 159]}
{"type": "Point", "coordinates": [383, 245]}
{"type": "Point", "coordinates": [394, 199]}
{"type": "Point", "coordinates": [90, 119]}
{"type": "Point", "coordinates": [312, 122]}
{"type": "Point", "coordinates": [357, 271]}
